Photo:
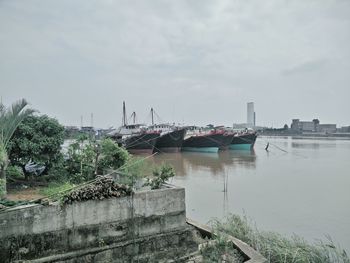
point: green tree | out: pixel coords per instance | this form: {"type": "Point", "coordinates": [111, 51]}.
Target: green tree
{"type": "Point", "coordinates": [10, 118]}
{"type": "Point", "coordinates": [37, 138]}
{"type": "Point", "coordinates": [111, 156]}
{"type": "Point", "coordinates": [87, 158]}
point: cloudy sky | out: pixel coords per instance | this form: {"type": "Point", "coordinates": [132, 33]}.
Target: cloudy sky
{"type": "Point", "coordinates": [193, 61]}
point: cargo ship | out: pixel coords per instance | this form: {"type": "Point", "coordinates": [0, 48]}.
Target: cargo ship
{"type": "Point", "coordinates": [227, 137]}
{"type": "Point", "coordinates": [243, 141]}
{"type": "Point", "coordinates": [135, 138]}
{"type": "Point", "coordinates": [203, 140]}
{"type": "Point", "coordinates": [170, 139]}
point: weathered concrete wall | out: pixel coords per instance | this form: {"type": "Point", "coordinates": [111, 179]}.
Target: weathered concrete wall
{"type": "Point", "coordinates": [37, 231]}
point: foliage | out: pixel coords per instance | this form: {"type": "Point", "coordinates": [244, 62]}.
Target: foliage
{"type": "Point", "coordinates": [277, 248]}
{"type": "Point", "coordinates": [37, 139]}
{"type": "Point", "coordinates": [80, 162]}
{"type": "Point", "coordinates": [88, 158]}
{"type": "Point", "coordinates": [2, 187]}
{"type": "Point", "coordinates": [14, 172]}
{"type": "Point", "coordinates": [58, 172]}
{"type": "Point", "coordinates": [133, 171]}
{"type": "Point", "coordinates": [220, 250]}
{"type": "Point", "coordinates": [112, 156]}
{"type": "Point", "coordinates": [10, 203]}
{"type": "Point", "coordinates": [54, 189]}
{"type": "Point", "coordinates": [160, 175]}
{"type": "Point", "coordinates": [10, 118]}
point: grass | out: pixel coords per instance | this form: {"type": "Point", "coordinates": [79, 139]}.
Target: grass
{"type": "Point", "coordinates": [280, 249]}
{"type": "Point", "coordinates": [220, 251]}
{"type": "Point", "coordinates": [55, 189]}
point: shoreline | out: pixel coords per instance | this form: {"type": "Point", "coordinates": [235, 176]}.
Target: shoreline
{"type": "Point", "coordinates": [307, 136]}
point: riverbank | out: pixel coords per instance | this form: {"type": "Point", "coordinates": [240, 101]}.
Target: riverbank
{"type": "Point", "coordinates": [336, 136]}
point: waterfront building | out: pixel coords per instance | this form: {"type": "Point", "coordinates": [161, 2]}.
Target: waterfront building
{"type": "Point", "coordinates": [312, 126]}
{"type": "Point", "coordinates": [308, 126]}
{"type": "Point", "coordinates": [327, 128]}
{"type": "Point", "coordinates": [344, 129]}
{"type": "Point", "coordinates": [250, 114]}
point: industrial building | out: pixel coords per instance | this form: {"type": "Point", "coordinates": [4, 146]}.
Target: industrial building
{"type": "Point", "coordinates": [312, 126]}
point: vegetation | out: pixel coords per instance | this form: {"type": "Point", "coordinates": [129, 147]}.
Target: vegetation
{"type": "Point", "coordinates": [220, 250]}
{"type": "Point", "coordinates": [55, 189]}
{"type": "Point", "coordinates": [87, 158]}
{"type": "Point", "coordinates": [279, 249]}
{"type": "Point", "coordinates": [10, 118]}
{"type": "Point", "coordinates": [160, 175]}
{"type": "Point", "coordinates": [37, 139]}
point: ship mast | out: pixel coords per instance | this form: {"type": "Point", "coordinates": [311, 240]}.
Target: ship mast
{"type": "Point", "coordinates": [152, 111]}
{"type": "Point", "coordinates": [124, 115]}
{"type": "Point", "coordinates": [133, 115]}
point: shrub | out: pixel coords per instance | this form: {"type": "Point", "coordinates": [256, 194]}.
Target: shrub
{"type": "Point", "coordinates": [14, 172]}
{"type": "Point", "coordinates": [160, 175]}
{"type": "Point", "coordinates": [220, 249]}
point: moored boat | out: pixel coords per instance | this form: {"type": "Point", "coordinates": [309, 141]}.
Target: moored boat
{"type": "Point", "coordinates": [201, 140]}
{"type": "Point", "coordinates": [136, 138]}
{"type": "Point", "coordinates": [141, 143]}
{"type": "Point", "coordinates": [227, 137]}
{"type": "Point", "coordinates": [243, 141]}
{"type": "Point", "coordinates": [170, 139]}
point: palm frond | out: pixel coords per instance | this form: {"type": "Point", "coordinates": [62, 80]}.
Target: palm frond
{"type": "Point", "coordinates": [10, 118]}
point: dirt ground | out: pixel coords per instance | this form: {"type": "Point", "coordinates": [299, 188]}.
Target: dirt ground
{"type": "Point", "coordinates": [24, 194]}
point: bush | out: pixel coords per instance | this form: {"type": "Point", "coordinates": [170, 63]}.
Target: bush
{"type": "Point", "coordinates": [111, 156]}
{"type": "Point", "coordinates": [220, 250]}
{"type": "Point", "coordinates": [86, 159]}
{"type": "Point", "coordinates": [14, 172]}
{"type": "Point", "coordinates": [160, 175]}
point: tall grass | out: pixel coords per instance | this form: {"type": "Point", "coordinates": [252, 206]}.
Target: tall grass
{"type": "Point", "coordinates": [55, 189]}
{"type": "Point", "coordinates": [280, 249]}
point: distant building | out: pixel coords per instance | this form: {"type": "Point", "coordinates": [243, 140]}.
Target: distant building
{"type": "Point", "coordinates": [344, 129]}
{"type": "Point", "coordinates": [298, 125]}
{"type": "Point", "coordinates": [327, 128]}
{"type": "Point", "coordinates": [251, 114]}
{"type": "Point", "coordinates": [312, 126]}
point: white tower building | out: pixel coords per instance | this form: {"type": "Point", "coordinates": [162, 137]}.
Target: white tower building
{"type": "Point", "coordinates": [250, 114]}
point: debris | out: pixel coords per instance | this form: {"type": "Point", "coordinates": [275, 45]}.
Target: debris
{"type": "Point", "coordinates": [103, 187]}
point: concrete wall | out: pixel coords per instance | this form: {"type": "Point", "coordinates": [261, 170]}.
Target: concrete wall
{"type": "Point", "coordinates": [35, 231]}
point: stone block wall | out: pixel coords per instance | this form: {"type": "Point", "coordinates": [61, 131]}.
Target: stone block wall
{"type": "Point", "coordinates": [37, 231]}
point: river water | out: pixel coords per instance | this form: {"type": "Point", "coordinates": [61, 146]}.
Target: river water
{"type": "Point", "coordinates": [299, 186]}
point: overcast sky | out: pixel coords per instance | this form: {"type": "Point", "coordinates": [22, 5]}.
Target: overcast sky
{"type": "Point", "coordinates": [193, 61]}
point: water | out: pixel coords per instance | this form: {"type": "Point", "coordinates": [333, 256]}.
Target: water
{"type": "Point", "coordinates": [300, 186]}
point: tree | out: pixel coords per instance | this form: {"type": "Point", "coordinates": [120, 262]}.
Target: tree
{"type": "Point", "coordinates": [111, 156]}
{"type": "Point", "coordinates": [10, 118]}
{"type": "Point", "coordinates": [87, 158]}
{"type": "Point", "coordinates": [37, 139]}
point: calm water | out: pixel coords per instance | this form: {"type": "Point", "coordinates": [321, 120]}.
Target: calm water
{"type": "Point", "coordinates": [300, 186]}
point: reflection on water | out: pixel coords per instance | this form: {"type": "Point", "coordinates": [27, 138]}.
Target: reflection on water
{"type": "Point", "coordinates": [215, 163]}
{"type": "Point", "coordinates": [305, 145]}
{"type": "Point", "coordinates": [298, 186]}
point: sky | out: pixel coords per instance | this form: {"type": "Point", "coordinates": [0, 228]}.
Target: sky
{"type": "Point", "coordinates": [194, 62]}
